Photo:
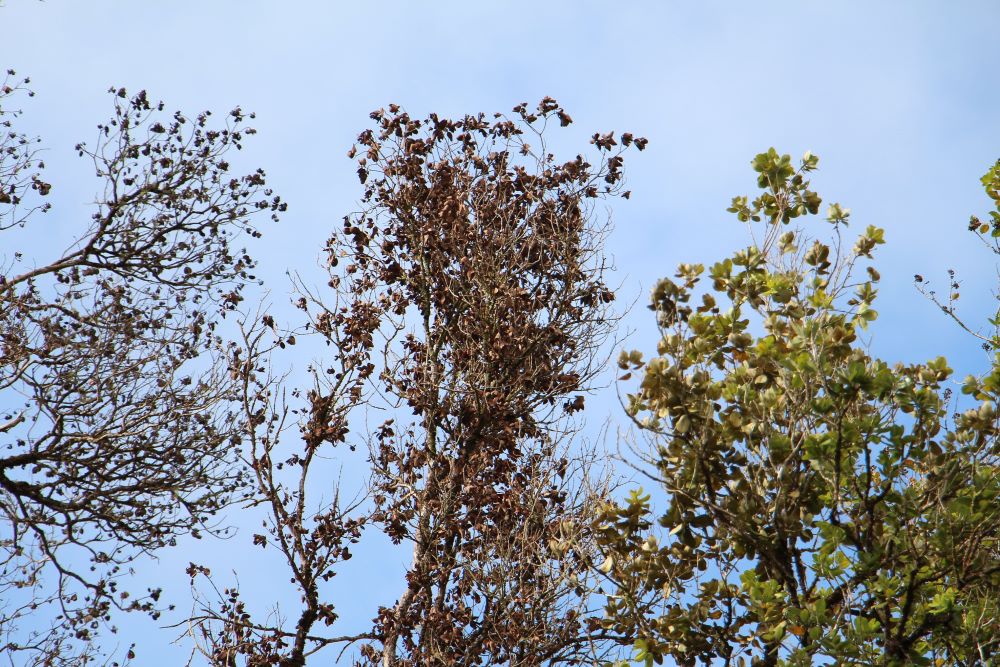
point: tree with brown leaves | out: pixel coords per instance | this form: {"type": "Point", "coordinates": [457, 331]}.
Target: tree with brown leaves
{"type": "Point", "coordinates": [118, 416]}
{"type": "Point", "coordinates": [467, 300]}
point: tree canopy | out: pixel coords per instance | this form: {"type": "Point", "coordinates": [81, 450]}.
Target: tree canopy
{"type": "Point", "coordinates": [820, 505]}
{"type": "Point", "coordinates": [117, 413]}
{"type": "Point", "coordinates": [824, 506]}
{"type": "Point", "coordinates": [467, 301]}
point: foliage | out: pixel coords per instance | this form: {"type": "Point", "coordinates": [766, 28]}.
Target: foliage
{"type": "Point", "coordinates": [467, 300]}
{"type": "Point", "coordinates": [118, 414]}
{"type": "Point", "coordinates": [825, 507]}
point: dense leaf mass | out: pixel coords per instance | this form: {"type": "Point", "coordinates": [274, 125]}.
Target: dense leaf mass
{"type": "Point", "coordinates": [466, 299]}
{"type": "Point", "coordinates": [825, 507]}
{"type": "Point", "coordinates": [491, 242]}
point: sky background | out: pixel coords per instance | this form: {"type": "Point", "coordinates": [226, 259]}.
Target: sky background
{"type": "Point", "coordinates": [899, 99]}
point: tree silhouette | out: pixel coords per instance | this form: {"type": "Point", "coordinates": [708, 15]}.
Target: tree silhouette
{"type": "Point", "coordinates": [118, 414]}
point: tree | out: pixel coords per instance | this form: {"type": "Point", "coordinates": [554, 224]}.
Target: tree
{"type": "Point", "coordinates": [118, 414]}
{"type": "Point", "coordinates": [824, 507]}
{"type": "Point", "coordinates": [467, 300]}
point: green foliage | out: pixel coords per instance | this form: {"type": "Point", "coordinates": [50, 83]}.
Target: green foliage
{"type": "Point", "coordinates": [825, 507]}
{"type": "Point", "coordinates": [991, 182]}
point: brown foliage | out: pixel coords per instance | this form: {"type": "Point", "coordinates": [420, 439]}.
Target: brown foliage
{"type": "Point", "coordinates": [466, 298]}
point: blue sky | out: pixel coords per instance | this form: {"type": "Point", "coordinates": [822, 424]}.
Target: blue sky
{"type": "Point", "coordinates": [901, 101]}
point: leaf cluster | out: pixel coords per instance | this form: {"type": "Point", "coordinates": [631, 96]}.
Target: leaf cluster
{"type": "Point", "coordinates": [824, 506]}
{"type": "Point", "coordinates": [467, 299]}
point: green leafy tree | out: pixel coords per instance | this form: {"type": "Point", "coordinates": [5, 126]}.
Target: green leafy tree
{"type": "Point", "coordinates": [824, 506]}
